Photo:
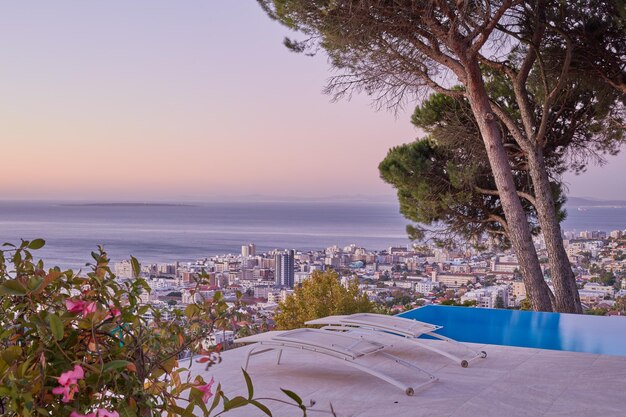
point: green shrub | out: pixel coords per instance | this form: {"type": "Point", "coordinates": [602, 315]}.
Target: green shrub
{"type": "Point", "coordinates": [74, 345]}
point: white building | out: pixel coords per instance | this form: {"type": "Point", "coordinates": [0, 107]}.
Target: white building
{"type": "Point", "coordinates": [160, 284]}
{"type": "Point", "coordinates": [262, 291]}
{"type": "Point", "coordinates": [452, 280]}
{"type": "Point", "coordinates": [499, 265]}
{"type": "Point", "coordinates": [124, 269]}
{"type": "Point", "coordinates": [602, 289]}
{"type": "Point", "coordinates": [193, 296]}
{"type": "Point", "coordinates": [300, 277]}
{"type": "Point", "coordinates": [399, 284]}
{"type": "Point", "coordinates": [488, 297]}
{"type": "Point", "coordinates": [147, 297]}
{"type": "Point", "coordinates": [426, 286]}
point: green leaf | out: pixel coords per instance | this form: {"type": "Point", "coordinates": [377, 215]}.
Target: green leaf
{"type": "Point", "coordinates": [216, 399]}
{"type": "Point", "coordinates": [248, 384]}
{"type": "Point", "coordinates": [191, 310]}
{"type": "Point", "coordinates": [175, 408]}
{"type": "Point", "coordinates": [36, 244]}
{"type": "Point", "coordinates": [12, 287]}
{"type": "Point", "coordinates": [109, 366]}
{"type": "Point", "coordinates": [56, 326]}
{"type": "Point", "coordinates": [125, 410]}
{"type": "Point", "coordinates": [136, 267]}
{"type": "Point", "coordinates": [261, 407]}
{"type": "Point", "coordinates": [236, 402]}
{"type": "Point", "coordinates": [189, 410]}
{"type": "Point", "coordinates": [293, 396]}
{"type": "Point", "coordinates": [34, 282]}
{"type": "Point", "coordinates": [11, 354]}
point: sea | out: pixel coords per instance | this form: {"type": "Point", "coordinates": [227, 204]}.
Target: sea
{"type": "Point", "coordinates": [162, 233]}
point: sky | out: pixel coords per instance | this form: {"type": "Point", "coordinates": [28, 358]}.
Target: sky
{"type": "Point", "coordinates": [195, 100]}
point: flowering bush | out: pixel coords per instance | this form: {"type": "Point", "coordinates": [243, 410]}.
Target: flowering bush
{"type": "Point", "coordinates": [86, 346]}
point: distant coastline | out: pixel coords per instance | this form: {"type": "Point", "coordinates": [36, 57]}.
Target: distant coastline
{"type": "Point", "coordinates": [586, 202]}
{"type": "Point", "coordinates": [127, 205]}
{"type": "Point", "coordinates": [185, 231]}
{"type": "Point", "coordinates": [190, 201]}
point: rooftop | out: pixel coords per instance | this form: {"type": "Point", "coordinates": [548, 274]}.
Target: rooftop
{"type": "Point", "coordinates": [511, 381]}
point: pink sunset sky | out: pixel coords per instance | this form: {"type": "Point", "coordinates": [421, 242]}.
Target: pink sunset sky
{"type": "Point", "coordinates": [191, 100]}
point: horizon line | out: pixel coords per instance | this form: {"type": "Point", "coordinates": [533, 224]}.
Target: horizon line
{"type": "Point", "coordinates": [250, 198]}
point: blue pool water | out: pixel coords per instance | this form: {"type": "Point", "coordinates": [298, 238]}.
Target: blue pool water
{"type": "Point", "coordinates": [572, 332]}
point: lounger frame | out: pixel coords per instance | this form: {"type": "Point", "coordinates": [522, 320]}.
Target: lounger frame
{"type": "Point", "coordinates": [351, 356]}
{"type": "Point", "coordinates": [409, 329]}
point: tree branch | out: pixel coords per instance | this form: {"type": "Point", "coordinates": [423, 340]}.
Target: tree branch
{"type": "Point", "coordinates": [522, 194]}
{"type": "Point", "coordinates": [540, 135]}
{"type": "Point", "coordinates": [502, 222]}
{"type": "Point", "coordinates": [487, 27]}
{"type": "Point", "coordinates": [513, 129]}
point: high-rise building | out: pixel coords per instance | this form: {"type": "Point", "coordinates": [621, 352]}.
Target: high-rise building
{"type": "Point", "coordinates": [248, 250]}
{"type": "Point", "coordinates": [284, 269]}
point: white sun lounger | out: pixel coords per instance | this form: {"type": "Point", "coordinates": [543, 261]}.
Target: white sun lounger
{"type": "Point", "coordinates": [394, 326]}
{"type": "Point", "coordinates": [349, 349]}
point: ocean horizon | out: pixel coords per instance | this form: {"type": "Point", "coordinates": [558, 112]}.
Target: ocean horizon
{"type": "Point", "coordinates": [168, 232]}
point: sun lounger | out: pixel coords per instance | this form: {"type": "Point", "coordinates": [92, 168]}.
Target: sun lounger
{"type": "Point", "coordinates": [349, 349]}
{"type": "Point", "coordinates": [394, 326]}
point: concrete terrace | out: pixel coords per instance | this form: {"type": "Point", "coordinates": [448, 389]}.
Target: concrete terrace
{"type": "Point", "coordinates": [509, 382]}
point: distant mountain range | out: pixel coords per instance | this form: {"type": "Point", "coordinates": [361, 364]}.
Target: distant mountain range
{"type": "Point", "coordinates": [586, 202]}
{"type": "Point", "coordinates": [265, 198]}
{"type": "Point", "coordinates": [123, 204]}
{"type": "Point", "coordinates": [572, 202]}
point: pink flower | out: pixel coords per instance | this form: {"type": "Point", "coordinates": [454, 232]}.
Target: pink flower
{"type": "Point", "coordinates": [74, 306]}
{"type": "Point", "coordinates": [71, 377]}
{"type": "Point", "coordinates": [80, 306]}
{"type": "Point", "coordinates": [75, 414]}
{"type": "Point", "coordinates": [113, 312]}
{"type": "Point", "coordinates": [67, 391]}
{"type": "Point", "coordinates": [206, 389]}
{"type": "Point", "coordinates": [89, 308]}
{"type": "Point", "coordinates": [68, 382]}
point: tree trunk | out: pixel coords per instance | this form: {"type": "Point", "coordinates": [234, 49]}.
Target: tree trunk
{"type": "Point", "coordinates": [517, 223]}
{"type": "Point", "coordinates": [566, 295]}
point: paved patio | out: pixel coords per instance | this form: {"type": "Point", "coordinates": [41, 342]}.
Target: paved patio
{"type": "Point", "coordinates": [510, 382]}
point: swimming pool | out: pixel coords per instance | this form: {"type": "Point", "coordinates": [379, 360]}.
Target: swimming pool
{"type": "Point", "coordinates": [572, 332]}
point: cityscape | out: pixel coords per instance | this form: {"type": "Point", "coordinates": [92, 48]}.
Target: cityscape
{"type": "Point", "coordinates": [398, 278]}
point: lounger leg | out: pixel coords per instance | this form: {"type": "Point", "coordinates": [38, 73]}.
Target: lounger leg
{"type": "Point", "coordinates": [481, 354]}
{"type": "Point", "coordinates": [408, 390]}
{"type": "Point", "coordinates": [245, 366]}
{"type": "Point", "coordinates": [252, 352]}
{"type": "Point", "coordinates": [280, 354]}
{"type": "Point", "coordinates": [456, 359]}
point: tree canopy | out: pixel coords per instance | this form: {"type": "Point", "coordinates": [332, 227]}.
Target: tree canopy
{"type": "Point", "coordinates": [396, 51]}
{"type": "Point", "coordinates": [444, 179]}
{"type": "Point", "coordinates": [319, 296]}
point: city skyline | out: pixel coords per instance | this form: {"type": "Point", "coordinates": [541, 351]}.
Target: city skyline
{"type": "Point", "coordinates": [192, 102]}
